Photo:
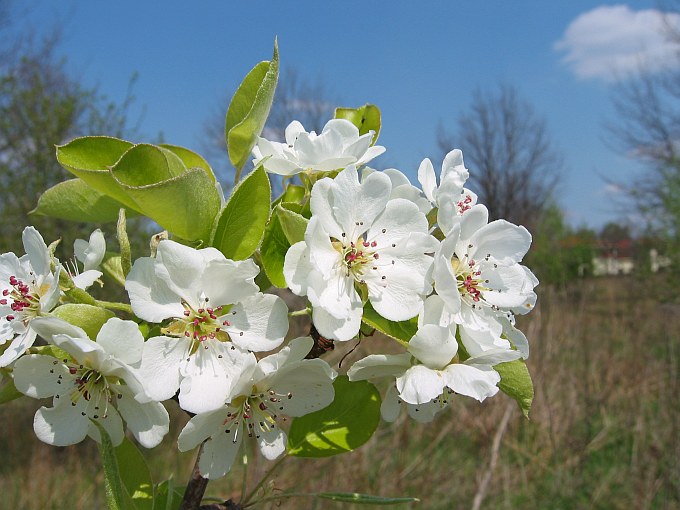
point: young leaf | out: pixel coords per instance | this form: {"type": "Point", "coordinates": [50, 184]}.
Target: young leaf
{"type": "Point", "coordinates": [190, 158]}
{"type": "Point", "coordinates": [90, 158]}
{"type": "Point", "coordinates": [117, 497]}
{"type": "Point", "coordinates": [249, 109]}
{"type": "Point", "coordinates": [135, 474]}
{"type": "Point", "coordinates": [363, 499]}
{"type": "Point", "coordinates": [89, 318]}
{"type": "Point", "coordinates": [366, 118]}
{"type": "Point", "coordinates": [185, 205]}
{"type": "Point", "coordinates": [403, 330]}
{"type": "Point", "coordinates": [240, 226]}
{"type": "Point", "coordinates": [293, 193]}
{"type": "Point", "coordinates": [516, 382]}
{"type": "Point", "coordinates": [273, 251]}
{"type": "Point", "coordinates": [293, 224]}
{"type": "Point", "coordinates": [341, 427]}
{"type": "Point", "coordinates": [74, 200]}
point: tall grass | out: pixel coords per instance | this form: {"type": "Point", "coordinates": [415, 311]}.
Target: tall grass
{"type": "Point", "coordinates": [604, 430]}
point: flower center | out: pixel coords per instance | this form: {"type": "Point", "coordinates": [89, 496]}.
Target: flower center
{"type": "Point", "coordinates": [23, 301]}
{"type": "Point", "coordinates": [464, 204]}
{"type": "Point", "coordinates": [90, 385]}
{"type": "Point", "coordinates": [357, 257]}
{"type": "Point", "coordinates": [470, 283]}
{"type": "Point", "coordinates": [258, 412]}
{"type": "Point", "coordinates": [199, 324]}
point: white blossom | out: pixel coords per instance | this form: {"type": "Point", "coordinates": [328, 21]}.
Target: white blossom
{"type": "Point", "coordinates": [216, 313]}
{"type": "Point", "coordinates": [337, 146]}
{"type": "Point", "coordinates": [90, 253]}
{"type": "Point", "coordinates": [450, 196]}
{"type": "Point", "coordinates": [478, 275]}
{"type": "Point", "coordinates": [28, 289]}
{"type": "Point", "coordinates": [431, 369]}
{"type": "Point", "coordinates": [280, 385]}
{"type": "Point", "coordinates": [94, 381]}
{"type": "Point", "coordinates": [359, 240]}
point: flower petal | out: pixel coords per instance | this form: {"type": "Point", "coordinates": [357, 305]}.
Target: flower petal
{"type": "Point", "coordinates": [271, 441]}
{"type": "Point", "coordinates": [220, 452]}
{"type": "Point", "coordinates": [122, 340]}
{"type": "Point", "coordinates": [258, 323]}
{"type": "Point", "coordinates": [433, 345]}
{"type": "Point", "coordinates": [150, 297]}
{"type": "Point", "coordinates": [337, 329]}
{"type": "Point", "coordinates": [420, 384]}
{"type": "Point", "coordinates": [63, 424]}
{"type": "Point", "coordinates": [18, 346]}
{"type": "Point", "coordinates": [297, 267]}
{"type": "Point", "coordinates": [472, 381]}
{"type": "Point", "coordinates": [379, 365]}
{"type": "Point", "coordinates": [201, 427]}
{"type": "Point", "coordinates": [160, 366]}
{"type": "Point", "coordinates": [149, 422]}
{"type": "Point", "coordinates": [36, 250]}
{"type": "Point", "coordinates": [39, 376]}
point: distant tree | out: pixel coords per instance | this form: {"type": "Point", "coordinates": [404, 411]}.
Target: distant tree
{"type": "Point", "coordinates": [559, 253]}
{"type": "Point", "coordinates": [647, 127]}
{"type": "Point", "coordinates": [514, 165]}
{"type": "Point", "coordinates": [42, 105]}
{"type": "Point", "coordinates": [615, 232]}
{"type": "Point", "coordinates": [296, 98]}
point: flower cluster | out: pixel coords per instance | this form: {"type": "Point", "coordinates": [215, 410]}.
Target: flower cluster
{"type": "Point", "coordinates": [200, 330]}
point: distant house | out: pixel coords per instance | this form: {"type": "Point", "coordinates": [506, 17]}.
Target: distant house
{"type": "Point", "coordinates": [614, 257]}
{"type": "Point", "coordinates": [620, 257]}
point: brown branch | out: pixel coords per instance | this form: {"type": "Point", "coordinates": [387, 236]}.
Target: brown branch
{"type": "Point", "coordinates": [195, 488]}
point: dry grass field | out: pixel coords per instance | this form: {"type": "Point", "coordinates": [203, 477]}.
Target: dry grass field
{"type": "Point", "coordinates": [604, 430]}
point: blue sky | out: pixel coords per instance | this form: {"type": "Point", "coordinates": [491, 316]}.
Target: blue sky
{"type": "Point", "coordinates": [418, 61]}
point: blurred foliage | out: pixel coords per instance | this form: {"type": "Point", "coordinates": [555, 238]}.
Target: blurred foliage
{"type": "Point", "coordinates": [560, 253]}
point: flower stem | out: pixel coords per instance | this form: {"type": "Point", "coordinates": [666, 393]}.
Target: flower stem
{"type": "Point", "coordinates": [121, 307]}
{"type": "Point", "coordinates": [195, 488]}
{"type": "Point", "coordinates": [246, 502]}
{"type": "Point", "coordinates": [283, 495]}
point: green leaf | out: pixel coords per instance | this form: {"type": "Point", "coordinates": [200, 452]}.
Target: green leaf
{"type": "Point", "coordinates": [74, 200]}
{"type": "Point", "coordinates": [168, 496]}
{"type": "Point", "coordinates": [366, 118]}
{"type": "Point", "coordinates": [117, 497]}
{"type": "Point", "coordinates": [90, 158]}
{"type": "Point", "coordinates": [89, 318]}
{"type": "Point", "coordinates": [363, 499]}
{"type": "Point", "coordinates": [8, 391]}
{"type": "Point", "coordinates": [403, 330]}
{"type": "Point", "coordinates": [341, 427]}
{"type": "Point", "coordinates": [185, 205]}
{"type": "Point", "coordinates": [273, 252]}
{"type": "Point", "coordinates": [241, 224]}
{"type": "Point", "coordinates": [146, 164]}
{"type": "Point", "coordinates": [249, 109]}
{"type": "Point", "coordinates": [293, 193]}
{"type": "Point", "coordinates": [135, 474]}
{"type": "Point", "coordinates": [190, 158]}
{"type": "Point", "coordinates": [516, 382]}
{"type": "Point", "coordinates": [113, 267]}
{"type": "Point", "coordinates": [293, 224]}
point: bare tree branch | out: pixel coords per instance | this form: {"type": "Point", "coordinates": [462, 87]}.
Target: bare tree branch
{"type": "Point", "coordinates": [514, 166]}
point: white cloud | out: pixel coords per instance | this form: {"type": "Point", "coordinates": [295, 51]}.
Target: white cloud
{"type": "Point", "coordinates": [611, 41]}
